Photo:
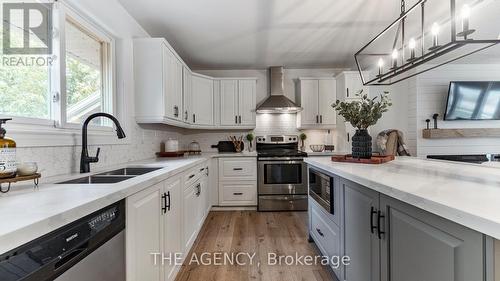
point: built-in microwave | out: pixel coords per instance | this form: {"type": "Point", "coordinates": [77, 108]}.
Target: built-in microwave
{"type": "Point", "coordinates": [321, 189]}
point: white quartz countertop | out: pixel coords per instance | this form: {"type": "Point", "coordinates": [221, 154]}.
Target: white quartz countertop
{"type": "Point", "coordinates": [27, 214]}
{"type": "Point", "coordinates": [463, 193]}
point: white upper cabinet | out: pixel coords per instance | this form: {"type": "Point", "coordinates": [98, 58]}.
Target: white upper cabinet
{"type": "Point", "coordinates": [158, 81]}
{"type": "Point", "coordinates": [187, 101]}
{"type": "Point", "coordinates": [316, 97]}
{"type": "Point", "coordinates": [237, 102]}
{"type": "Point", "coordinates": [202, 100]}
{"type": "Point", "coordinates": [168, 92]}
{"type": "Point", "coordinates": [172, 84]}
{"type": "Point", "coordinates": [247, 102]}
{"type": "Point", "coordinates": [229, 102]}
{"type": "Point", "coordinates": [349, 84]}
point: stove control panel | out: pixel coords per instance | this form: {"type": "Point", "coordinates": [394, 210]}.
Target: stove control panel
{"type": "Point", "coordinates": [278, 139]}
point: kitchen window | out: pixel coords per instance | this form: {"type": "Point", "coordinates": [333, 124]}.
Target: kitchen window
{"type": "Point", "coordinates": [77, 83]}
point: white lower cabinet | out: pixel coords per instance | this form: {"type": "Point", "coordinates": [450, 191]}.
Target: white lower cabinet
{"type": "Point", "coordinates": [172, 242]}
{"type": "Point", "coordinates": [163, 221]}
{"type": "Point", "coordinates": [237, 181]}
{"type": "Point", "coordinates": [144, 230]}
{"type": "Point", "coordinates": [190, 216]}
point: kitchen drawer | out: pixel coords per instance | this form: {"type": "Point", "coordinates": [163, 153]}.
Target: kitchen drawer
{"type": "Point", "coordinates": [326, 234]}
{"type": "Point", "coordinates": [238, 168]}
{"type": "Point", "coordinates": [239, 193]}
{"type": "Point", "coordinates": [194, 174]}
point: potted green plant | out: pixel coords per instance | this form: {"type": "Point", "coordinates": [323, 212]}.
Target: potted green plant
{"type": "Point", "coordinates": [303, 138]}
{"type": "Point", "coordinates": [250, 137]}
{"type": "Point", "coordinates": [362, 114]}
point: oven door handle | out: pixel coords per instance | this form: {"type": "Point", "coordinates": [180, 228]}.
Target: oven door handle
{"type": "Point", "coordinates": [280, 161]}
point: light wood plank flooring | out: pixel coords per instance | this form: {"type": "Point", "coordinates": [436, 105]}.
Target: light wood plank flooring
{"type": "Point", "coordinates": [283, 233]}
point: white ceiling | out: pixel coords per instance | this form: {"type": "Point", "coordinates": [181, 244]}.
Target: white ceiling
{"type": "Point", "coordinates": [229, 34]}
{"type": "Point", "coordinates": [256, 34]}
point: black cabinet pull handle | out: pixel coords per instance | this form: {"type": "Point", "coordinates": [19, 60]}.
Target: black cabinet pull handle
{"type": "Point", "coordinates": [238, 193]}
{"type": "Point", "coordinates": [191, 176]}
{"type": "Point", "coordinates": [379, 224]}
{"type": "Point", "coordinates": [239, 119]}
{"type": "Point", "coordinates": [236, 119]}
{"type": "Point", "coordinates": [321, 119]}
{"type": "Point", "coordinates": [319, 232]}
{"type": "Point", "coordinates": [237, 169]}
{"type": "Point", "coordinates": [347, 92]}
{"type": "Point", "coordinates": [164, 203]}
{"type": "Point", "coordinates": [317, 119]}
{"type": "Point", "coordinates": [198, 192]}
{"type": "Point", "coordinates": [186, 115]}
{"type": "Point", "coordinates": [168, 205]}
{"type": "Point", "coordinates": [194, 118]}
{"type": "Point", "coordinates": [372, 226]}
{"type": "Point", "coordinates": [348, 137]}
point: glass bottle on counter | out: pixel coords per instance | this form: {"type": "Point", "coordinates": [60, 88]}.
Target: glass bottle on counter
{"type": "Point", "coordinates": [8, 166]}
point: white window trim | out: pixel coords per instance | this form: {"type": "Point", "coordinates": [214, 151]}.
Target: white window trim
{"type": "Point", "coordinates": [34, 132]}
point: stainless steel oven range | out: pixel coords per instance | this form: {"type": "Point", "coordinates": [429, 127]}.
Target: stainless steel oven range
{"type": "Point", "coordinates": [281, 174]}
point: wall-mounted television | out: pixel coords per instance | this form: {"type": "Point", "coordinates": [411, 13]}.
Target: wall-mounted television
{"type": "Point", "coordinates": [479, 100]}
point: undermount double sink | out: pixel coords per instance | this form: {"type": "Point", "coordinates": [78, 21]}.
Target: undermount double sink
{"type": "Point", "coordinates": [114, 176]}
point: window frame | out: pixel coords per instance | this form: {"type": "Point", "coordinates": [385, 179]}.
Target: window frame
{"type": "Point", "coordinates": [67, 13]}
{"type": "Point", "coordinates": [56, 131]}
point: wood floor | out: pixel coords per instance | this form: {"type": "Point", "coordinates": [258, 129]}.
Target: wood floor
{"type": "Point", "coordinates": [283, 233]}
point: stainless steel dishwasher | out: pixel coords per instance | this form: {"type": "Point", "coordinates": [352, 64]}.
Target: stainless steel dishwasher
{"type": "Point", "coordinates": [89, 249]}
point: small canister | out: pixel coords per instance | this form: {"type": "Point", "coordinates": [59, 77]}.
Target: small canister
{"type": "Point", "coordinates": [172, 145]}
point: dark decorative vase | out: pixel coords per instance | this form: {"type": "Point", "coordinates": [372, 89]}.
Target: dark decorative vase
{"type": "Point", "coordinates": [362, 144]}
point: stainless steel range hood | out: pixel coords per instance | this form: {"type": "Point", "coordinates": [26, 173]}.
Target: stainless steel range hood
{"type": "Point", "coordinates": [277, 102]}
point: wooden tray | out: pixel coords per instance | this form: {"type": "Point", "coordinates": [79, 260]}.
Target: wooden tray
{"type": "Point", "coordinates": [374, 160]}
{"type": "Point", "coordinates": [170, 154]}
{"type": "Point", "coordinates": [15, 179]}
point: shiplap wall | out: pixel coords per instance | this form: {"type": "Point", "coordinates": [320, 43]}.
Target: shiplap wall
{"type": "Point", "coordinates": [428, 96]}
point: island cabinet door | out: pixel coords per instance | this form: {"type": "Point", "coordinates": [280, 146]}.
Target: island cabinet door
{"type": "Point", "coordinates": [420, 246]}
{"type": "Point", "coordinates": [361, 242]}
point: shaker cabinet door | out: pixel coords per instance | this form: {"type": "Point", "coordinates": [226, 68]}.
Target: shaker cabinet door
{"type": "Point", "coordinates": [172, 239]}
{"type": "Point", "coordinates": [229, 102]}
{"type": "Point", "coordinates": [422, 246]}
{"type": "Point", "coordinates": [203, 101]}
{"type": "Point", "coordinates": [144, 234]}
{"type": "Point", "coordinates": [327, 97]}
{"type": "Point", "coordinates": [309, 102]}
{"type": "Point", "coordinates": [246, 102]}
{"type": "Point", "coordinates": [361, 242]}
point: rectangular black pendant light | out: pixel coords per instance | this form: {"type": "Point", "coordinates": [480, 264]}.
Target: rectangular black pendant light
{"type": "Point", "coordinates": [418, 40]}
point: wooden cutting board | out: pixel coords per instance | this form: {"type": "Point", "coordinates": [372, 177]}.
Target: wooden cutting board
{"type": "Point", "coordinates": [374, 160]}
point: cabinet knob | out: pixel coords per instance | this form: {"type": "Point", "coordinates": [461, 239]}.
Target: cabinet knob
{"type": "Point", "coordinates": [320, 232]}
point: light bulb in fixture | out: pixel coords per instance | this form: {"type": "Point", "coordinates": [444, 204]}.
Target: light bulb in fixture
{"type": "Point", "coordinates": [465, 22]}
{"type": "Point", "coordinates": [395, 56]}
{"type": "Point", "coordinates": [380, 66]}
{"type": "Point", "coordinates": [412, 45]}
{"type": "Point", "coordinates": [465, 12]}
{"type": "Point", "coordinates": [435, 29]}
{"type": "Point", "coordinates": [435, 36]}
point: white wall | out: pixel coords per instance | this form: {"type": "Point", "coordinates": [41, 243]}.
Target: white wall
{"type": "Point", "coordinates": [432, 90]}
{"type": "Point", "coordinates": [267, 123]}
{"type": "Point", "coordinates": [142, 142]}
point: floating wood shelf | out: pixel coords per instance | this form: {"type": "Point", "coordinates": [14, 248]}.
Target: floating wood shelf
{"type": "Point", "coordinates": [461, 133]}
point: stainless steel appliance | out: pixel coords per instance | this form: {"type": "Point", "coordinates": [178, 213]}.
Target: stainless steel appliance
{"type": "Point", "coordinates": [321, 190]}
{"type": "Point", "coordinates": [91, 248]}
{"type": "Point", "coordinates": [281, 174]}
